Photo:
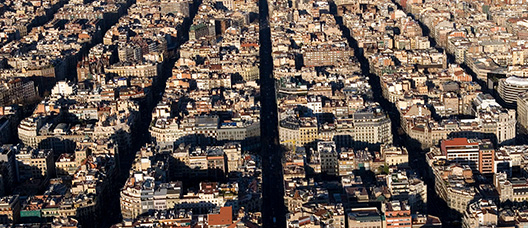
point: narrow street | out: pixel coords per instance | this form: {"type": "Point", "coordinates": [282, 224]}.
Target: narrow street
{"type": "Point", "coordinates": [273, 209]}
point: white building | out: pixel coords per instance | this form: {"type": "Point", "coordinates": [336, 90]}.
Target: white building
{"type": "Point", "coordinates": [64, 88]}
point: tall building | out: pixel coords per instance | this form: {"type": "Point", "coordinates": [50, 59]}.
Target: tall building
{"type": "Point", "coordinates": [298, 131]}
{"type": "Point", "coordinates": [477, 154]}
{"type": "Point", "coordinates": [198, 31]}
{"type": "Point", "coordinates": [461, 151]}
{"type": "Point", "coordinates": [483, 213]}
{"type": "Point", "coordinates": [28, 130]}
{"type": "Point", "coordinates": [454, 184]}
{"type": "Point", "coordinates": [522, 112]}
{"type": "Point", "coordinates": [9, 209]}
{"type": "Point", "coordinates": [369, 217]}
{"type": "Point", "coordinates": [141, 194]}
{"type": "Point", "coordinates": [64, 88]}
{"type": "Point", "coordinates": [245, 132]}
{"type": "Point", "coordinates": [66, 164]}
{"type": "Point", "coordinates": [325, 56]}
{"type": "Point", "coordinates": [16, 91]}
{"type": "Point", "coordinates": [486, 157]}
{"type": "Point", "coordinates": [371, 127]}
{"type": "Point", "coordinates": [509, 88]}
{"type": "Point", "coordinates": [8, 168]}
{"type": "Point", "coordinates": [398, 214]}
{"type": "Point", "coordinates": [394, 156]}
{"type": "Point", "coordinates": [404, 187]}
{"type": "Point", "coordinates": [328, 157]}
{"type": "Point", "coordinates": [222, 219]}
{"type": "Point", "coordinates": [34, 163]}
{"type": "Point", "coordinates": [209, 162]}
{"type": "Point", "coordinates": [233, 153]}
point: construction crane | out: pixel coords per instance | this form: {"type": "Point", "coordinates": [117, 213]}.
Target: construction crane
{"type": "Point", "coordinates": [293, 141]}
